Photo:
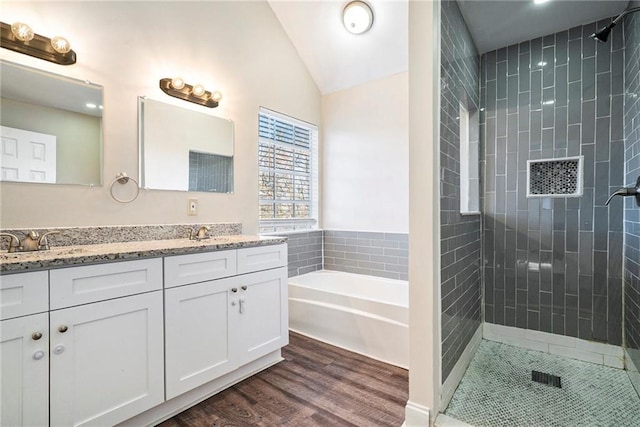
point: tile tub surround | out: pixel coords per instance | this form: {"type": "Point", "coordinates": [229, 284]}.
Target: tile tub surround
{"type": "Point", "coordinates": [459, 235]}
{"type": "Point", "coordinates": [368, 253]}
{"type": "Point", "coordinates": [305, 251]}
{"type": "Point", "coordinates": [632, 170]}
{"type": "Point", "coordinates": [554, 264]}
{"type": "Point", "coordinates": [64, 256]}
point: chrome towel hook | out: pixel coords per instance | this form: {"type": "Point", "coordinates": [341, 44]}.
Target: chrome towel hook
{"type": "Point", "coordinates": [123, 178]}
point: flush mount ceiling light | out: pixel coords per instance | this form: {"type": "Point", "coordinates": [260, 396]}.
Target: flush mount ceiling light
{"type": "Point", "coordinates": [357, 17]}
{"type": "Point", "coordinates": [19, 37]}
{"type": "Point", "coordinates": [197, 94]}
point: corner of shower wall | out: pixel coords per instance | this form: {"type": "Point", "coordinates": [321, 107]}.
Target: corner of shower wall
{"type": "Point", "coordinates": [460, 236]}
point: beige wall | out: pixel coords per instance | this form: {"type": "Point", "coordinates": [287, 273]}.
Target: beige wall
{"type": "Point", "coordinates": [236, 47]}
{"type": "Point", "coordinates": [365, 157]}
{"type": "Point", "coordinates": [78, 138]}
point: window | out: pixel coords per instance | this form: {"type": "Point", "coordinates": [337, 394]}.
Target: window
{"type": "Point", "coordinates": [288, 185]}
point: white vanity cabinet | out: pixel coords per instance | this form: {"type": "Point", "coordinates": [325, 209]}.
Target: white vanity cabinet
{"type": "Point", "coordinates": [214, 327]}
{"type": "Point", "coordinates": [106, 356]}
{"type": "Point", "coordinates": [24, 349]}
{"type": "Point", "coordinates": [102, 344]}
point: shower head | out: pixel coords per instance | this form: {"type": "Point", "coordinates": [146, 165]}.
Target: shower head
{"type": "Point", "coordinates": [603, 34]}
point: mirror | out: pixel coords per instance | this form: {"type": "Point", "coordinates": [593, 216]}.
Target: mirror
{"type": "Point", "coordinates": [51, 127]}
{"type": "Point", "coordinates": [185, 150]}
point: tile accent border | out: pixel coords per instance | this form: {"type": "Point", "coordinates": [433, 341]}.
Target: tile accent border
{"type": "Point", "coordinates": [94, 235]}
{"type": "Point", "coordinates": [573, 348]}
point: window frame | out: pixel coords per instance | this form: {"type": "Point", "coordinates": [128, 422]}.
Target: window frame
{"type": "Point", "coordinates": [272, 225]}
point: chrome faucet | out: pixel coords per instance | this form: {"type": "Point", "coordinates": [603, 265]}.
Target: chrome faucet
{"type": "Point", "coordinates": [201, 234]}
{"type": "Point", "coordinates": [33, 241]}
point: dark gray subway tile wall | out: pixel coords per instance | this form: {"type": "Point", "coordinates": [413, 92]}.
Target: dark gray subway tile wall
{"type": "Point", "coordinates": [304, 252]}
{"type": "Point", "coordinates": [554, 264]}
{"type": "Point", "coordinates": [632, 171]}
{"type": "Point", "coordinates": [370, 253]}
{"type": "Point", "coordinates": [460, 235]}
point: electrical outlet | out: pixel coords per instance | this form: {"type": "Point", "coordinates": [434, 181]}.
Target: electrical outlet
{"type": "Point", "coordinates": [192, 206]}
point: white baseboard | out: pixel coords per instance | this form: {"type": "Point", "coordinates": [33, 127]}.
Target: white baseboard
{"type": "Point", "coordinates": [416, 415]}
{"type": "Point", "coordinates": [454, 378]}
{"type": "Point", "coordinates": [574, 348]}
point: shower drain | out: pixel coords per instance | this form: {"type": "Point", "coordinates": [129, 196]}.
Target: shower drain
{"type": "Point", "coordinates": [548, 379]}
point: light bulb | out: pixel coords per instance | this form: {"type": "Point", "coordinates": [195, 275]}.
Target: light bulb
{"type": "Point", "coordinates": [216, 95]}
{"type": "Point", "coordinates": [177, 83]}
{"type": "Point", "coordinates": [357, 17]}
{"type": "Point", "coordinates": [198, 90]}
{"type": "Point", "coordinates": [22, 32]}
{"type": "Point", "coordinates": [60, 44]}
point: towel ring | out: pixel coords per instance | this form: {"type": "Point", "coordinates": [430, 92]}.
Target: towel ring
{"type": "Point", "coordinates": [123, 178]}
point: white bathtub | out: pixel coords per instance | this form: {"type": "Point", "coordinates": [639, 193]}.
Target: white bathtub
{"type": "Point", "coordinates": [365, 314]}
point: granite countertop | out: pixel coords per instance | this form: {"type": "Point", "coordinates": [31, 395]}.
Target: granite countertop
{"type": "Point", "coordinates": [64, 256]}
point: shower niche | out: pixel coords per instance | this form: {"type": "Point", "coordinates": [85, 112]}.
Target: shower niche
{"type": "Point", "coordinates": [555, 177]}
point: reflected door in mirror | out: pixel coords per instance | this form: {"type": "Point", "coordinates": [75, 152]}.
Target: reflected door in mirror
{"type": "Point", "coordinates": [27, 156]}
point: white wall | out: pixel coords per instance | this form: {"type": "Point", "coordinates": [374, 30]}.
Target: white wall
{"type": "Point", "coordinates": [365, 157]}
{"type": "Point", "coordinates": [236, 47]}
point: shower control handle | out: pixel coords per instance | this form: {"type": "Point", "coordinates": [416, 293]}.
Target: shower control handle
{"type": "Point", "coordinates": [627, 191]}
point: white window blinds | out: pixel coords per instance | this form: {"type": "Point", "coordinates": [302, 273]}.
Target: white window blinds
{"type": "Point", "coordinates": [287, 172]}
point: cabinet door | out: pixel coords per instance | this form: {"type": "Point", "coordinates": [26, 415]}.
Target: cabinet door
{"type": "Point", "coordinates": [106, 360]}
{"type": "Point", "coordinates": [261, 318]}
{"type": "Point", "coordinates": [198, 345]}
{"type": "Point", "coordinates": [24, 364]}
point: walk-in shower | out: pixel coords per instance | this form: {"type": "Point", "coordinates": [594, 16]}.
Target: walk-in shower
{"type": "Point", "coordinates": [545, 311]}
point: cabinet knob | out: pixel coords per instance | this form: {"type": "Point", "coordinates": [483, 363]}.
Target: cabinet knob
{"type": "Point", "coordinates": [234, 303]}
{"type": "Point", "coordinates": [38, 355]}
{"type": "Point", "coordinates": [62, 329]}
{"type": "Point", "coordinates": [36, 336]}
{"type": "Point", "coordinates": [234, 289]}
{"type": "Point", "coordinates": [59, 349]}
{"type": "Point", "coordinates": [244, 287]}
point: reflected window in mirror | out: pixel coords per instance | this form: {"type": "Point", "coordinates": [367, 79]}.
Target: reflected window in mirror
{"type": "Point", "coordinates": [51, 127]}
{"type": "Point", "coordinates": [184, 150]}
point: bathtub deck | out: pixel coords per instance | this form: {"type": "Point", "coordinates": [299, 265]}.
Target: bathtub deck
{"type": "Point", "coordinates": [316, 385]}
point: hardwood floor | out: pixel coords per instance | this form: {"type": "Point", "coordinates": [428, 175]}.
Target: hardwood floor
{"type": "Point", "coordinates": [316, 385]}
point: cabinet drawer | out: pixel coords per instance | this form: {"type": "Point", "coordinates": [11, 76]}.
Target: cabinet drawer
{"type": "Point", "coordinates": [24, 293]}
{"type": "Point", "coordinates": [82, 285]}
{"type": "Point", "coordinates": [194, 268]}
{"type": "Point", "coordinates": [261, 258]}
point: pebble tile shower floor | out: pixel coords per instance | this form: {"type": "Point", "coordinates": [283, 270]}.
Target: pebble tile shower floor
{"type": "Point", "coordinates": [497, 390]}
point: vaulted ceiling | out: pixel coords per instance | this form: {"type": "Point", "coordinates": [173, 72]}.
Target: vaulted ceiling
{"type": "Point", "coordinates": [338, 60]}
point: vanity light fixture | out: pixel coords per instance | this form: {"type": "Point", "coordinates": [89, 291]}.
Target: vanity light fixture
{"type": "Point", "coordinates": [357, 17]}
{"type": "Point", "coordinates": [197, 94]}
{"type": "Point", "coordinates": [19, 37]}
